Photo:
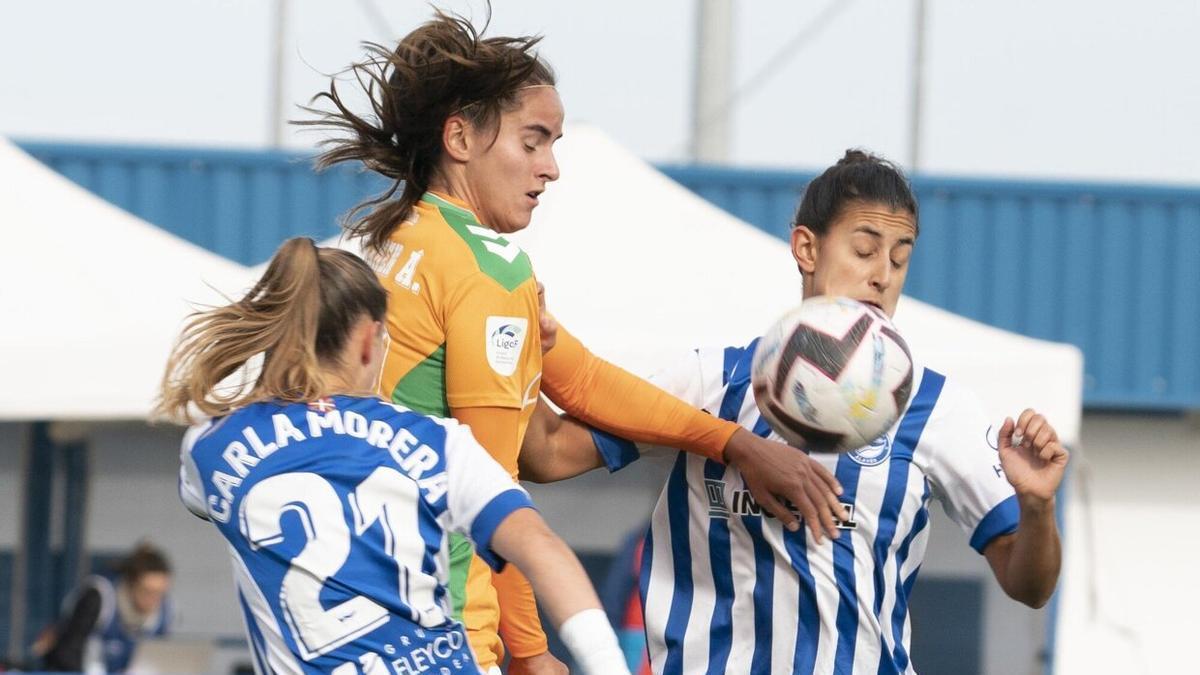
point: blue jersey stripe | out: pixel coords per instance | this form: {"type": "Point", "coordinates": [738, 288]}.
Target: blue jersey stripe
{"type": "Point", "coordinates": [644, 574]}
{"type": "Point", "coordinates": [720, 629]}
{"type": "Point", "coordinates": [737, 383]}
{"type": "Point", "coordinates": [900, 609]}
{"type": "Point", "coordinates": [908, 434]}
{"type": "Point", "coordinates": [764, 588]}
{"type": "Point", "coordinates": [732, 355]}
{"type": "Point", "coordinates": [681, 559]}
{"type": "Point", "coordinates": [257, 648]}
{"type": "Point", "coordinates": [808, 630]}
{"type": "Point", "coordinates": [720, 635]}
{"type": "Point", "coordinates": [843, 570]}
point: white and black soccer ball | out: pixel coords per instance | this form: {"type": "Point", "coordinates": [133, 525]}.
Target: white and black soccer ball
{"type": "Point", "coordinates": [832, 375]}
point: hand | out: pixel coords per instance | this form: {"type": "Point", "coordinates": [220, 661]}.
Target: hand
{"type": "Point", "coordinates": [542, 664]}
{"type": "Point", "coordinates": [546, 323]}
{"type": "Point", "coordinates": [775, 471]}
{"type": "Point", "coordinates": [1032, 458]}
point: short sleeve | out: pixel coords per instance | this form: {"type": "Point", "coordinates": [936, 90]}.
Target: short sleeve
{"type": "Point", "coordinates": [965, 472]}
{"type": "Point", "coordinates": [191, 487]}
{"type": "Point", "coordinates": [682, 377]}
{"type": "Point", "coordinates": [481, 494]}
{"type": "Point", "coordinates": [493, 347]}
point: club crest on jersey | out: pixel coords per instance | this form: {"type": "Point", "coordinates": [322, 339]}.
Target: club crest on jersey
{"type": "Point", "coordinates": [505, 335]}
{"type": "Point", "coordinates": [875, 453]}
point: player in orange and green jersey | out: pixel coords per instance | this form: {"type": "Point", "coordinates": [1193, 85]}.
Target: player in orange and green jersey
{"type": "Point", "coordinates": [462, 322]}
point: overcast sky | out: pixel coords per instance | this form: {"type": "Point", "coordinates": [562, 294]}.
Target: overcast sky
{"type": "Point", "coordinates": [1052, 88]}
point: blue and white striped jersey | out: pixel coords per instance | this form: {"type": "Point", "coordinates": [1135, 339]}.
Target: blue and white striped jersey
{"type": "Point", "coordinates": [337, 514]}
{"type": "Point", "coordinates": [726, 589]}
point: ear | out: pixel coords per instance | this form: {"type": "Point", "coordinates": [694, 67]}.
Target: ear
{"type": "Point", "coordinates": [366, 343]}
{"type": "Point", "coordinates": [804, 248]}
{"type": "Point", "coordinates": [456, 138]}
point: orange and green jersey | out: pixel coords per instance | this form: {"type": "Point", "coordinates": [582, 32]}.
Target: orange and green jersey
{"type": "Point", "coordinates": [463, 332]}
{"type": "Point", "coordinates": [462, 316]}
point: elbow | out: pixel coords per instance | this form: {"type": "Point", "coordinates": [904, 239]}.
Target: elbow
{"type": "Point", "coordinates": [532, 475]}
{"type": "Point", "coordinates": [1035, 601]}
{"type": "Point", "coordinates": [1034, 597]}
{"type": "Point", "coordinates": [532, 468]}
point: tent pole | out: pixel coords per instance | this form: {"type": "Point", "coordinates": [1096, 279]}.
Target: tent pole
{"type": "Point", "coordinates": [32, 572]}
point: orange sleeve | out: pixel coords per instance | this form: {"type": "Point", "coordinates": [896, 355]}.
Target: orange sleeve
{"type": "Point", "coordinates": [520, 625]}
{"type": "Point", "coordinates": [614, 400]}
{"type": "Point", "coordinates": [496, 429]}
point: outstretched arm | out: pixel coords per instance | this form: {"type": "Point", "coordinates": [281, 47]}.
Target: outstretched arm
{"type": "Point", "coordinates": [1026, 562]}
{"type": "Point", "coordinates": [606, 397]}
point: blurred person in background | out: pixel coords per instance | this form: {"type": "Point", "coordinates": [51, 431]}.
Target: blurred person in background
{"type": "Point", "coordinates": [464, 127]}
{"type": "Point", "coordinates": [105, 617]}
{"type": "Point", "coordinates": [726, 589]}
{"type": "Point", "coordinates": [337, 506]}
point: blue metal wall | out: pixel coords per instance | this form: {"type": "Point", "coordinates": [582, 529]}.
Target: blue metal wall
{"type": "Point", "coordinates": [1114, 269]}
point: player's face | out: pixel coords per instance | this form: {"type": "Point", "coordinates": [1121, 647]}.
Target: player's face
{"type": "Point", "coordinates": [506, 177]}
{"type": "Point", "coordinates": [863, 256]}
{"type": "Point", "coordinates": [148, 591]}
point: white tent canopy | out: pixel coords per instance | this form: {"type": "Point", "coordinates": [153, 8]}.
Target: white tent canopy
{"type": "Point", "coordinates": [641, 269]}
{"type": "Point", "coordinates": [92, 298]}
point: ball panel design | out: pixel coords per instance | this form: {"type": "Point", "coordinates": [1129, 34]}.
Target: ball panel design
{"type": "Point", "coordinates": [832, 375]}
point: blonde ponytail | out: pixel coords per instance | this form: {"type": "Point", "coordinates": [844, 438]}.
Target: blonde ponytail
{"type": "Point", "coordinates": [279, 319]}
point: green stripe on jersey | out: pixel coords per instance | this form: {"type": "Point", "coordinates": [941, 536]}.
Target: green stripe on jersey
{"type": "Point", "coordinates": [499, 258]}
{"type": "Point", "coordinates": [461, 552]}
{"type": "Point", "coordinates": [423, 389]}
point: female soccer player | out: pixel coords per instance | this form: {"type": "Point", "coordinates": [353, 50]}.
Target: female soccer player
{"type": "Point", "coordinates": [337, 505]}
{"type": "Point", "coordinates": [465, 127]}
{"type": "Point", "coordinates": [755, 598]}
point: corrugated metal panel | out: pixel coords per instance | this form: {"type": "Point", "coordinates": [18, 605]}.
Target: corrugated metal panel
{"type": "Point", "coordinates": [241, 204]}
{"type": "Point", "coordinates": [1113, 269]}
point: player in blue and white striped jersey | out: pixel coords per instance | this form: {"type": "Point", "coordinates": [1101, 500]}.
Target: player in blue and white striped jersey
{"type": "Point", "coordinates": [337, 506]}
{"type": "Point", "coordinates": [724, 587]}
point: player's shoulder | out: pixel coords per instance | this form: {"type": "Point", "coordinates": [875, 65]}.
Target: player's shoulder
{"type": "Point", "coordinates": [954, 415]}
{"type": "Point", "coordinates": [940, 392]}
{"type": "Point", "coordinates": [472, 250]}
{"type": "Point", "coordinates": [723, 366]}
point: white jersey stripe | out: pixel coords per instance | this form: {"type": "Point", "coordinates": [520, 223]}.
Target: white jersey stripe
{"type": "Point", "coordinates": [698, 624]}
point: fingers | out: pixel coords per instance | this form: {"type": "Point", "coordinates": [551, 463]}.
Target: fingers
{"type": "Point", "coordinates": [1004, 437]}
{"type": "Point", "coordinates": [823, 474]}
{"type": "Point", "coordinates": [777, 509]}
{"type": "Point", "coordinates": [1033, 431]}
{"type": "Point", "coordinates": [830, 512]}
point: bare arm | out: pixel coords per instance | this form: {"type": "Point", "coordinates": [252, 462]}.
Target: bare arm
{"type": "Point", "coordinates": [1026, 563]}
{"type": "Point", "coordinates": [556, 448]}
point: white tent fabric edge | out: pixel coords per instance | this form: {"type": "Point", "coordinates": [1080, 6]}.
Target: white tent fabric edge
{"type": "Point", "coordinates": [93, 298]}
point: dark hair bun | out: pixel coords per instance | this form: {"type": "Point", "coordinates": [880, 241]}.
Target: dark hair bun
{"type": "Point", "coordinates": [856, 156]}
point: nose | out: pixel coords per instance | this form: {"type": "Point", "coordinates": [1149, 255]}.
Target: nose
{"type": "Point", "coordinates": [881, 275]}
{"type": "Point", "coordinates": [549, 170]}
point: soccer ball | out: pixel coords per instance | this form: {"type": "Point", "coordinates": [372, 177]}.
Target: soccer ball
{"type": "Point", "coordinates": [832, 375]}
